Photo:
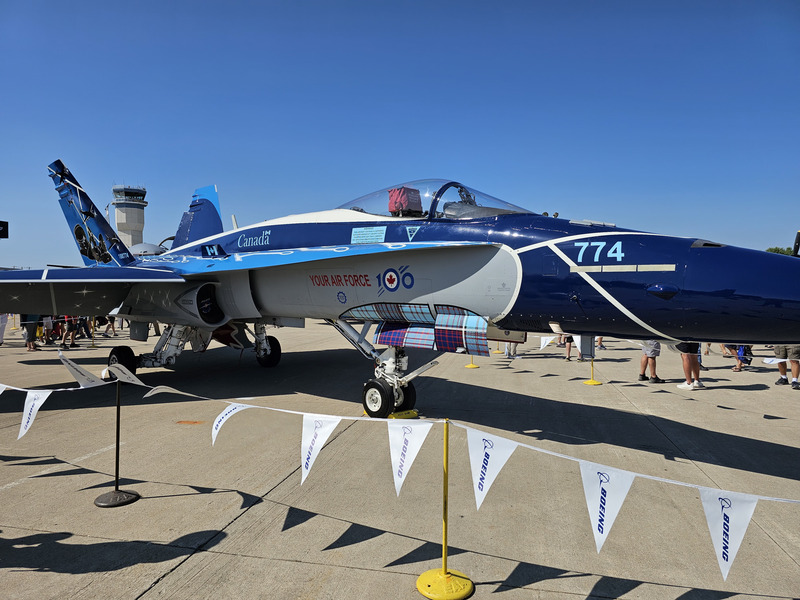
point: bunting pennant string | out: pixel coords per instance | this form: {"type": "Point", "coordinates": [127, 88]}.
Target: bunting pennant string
{"type": "Point", "coordinates": [33, 402]}
{"type": "Point", "coordinates": [226, 414]}
{"type": "Point", "coordinates": [545, 341]}
{"type": "Point", "coordinates": [728, 514]}
{"type": "Point", "coordinates": [316, 430]}
{"type": "Point", "coordinates": [165, 389]}
{"type": "Point", "coordinates": [124, 375]}
{"type": "Point", "coordinates": [775, 361]}
{"type": "Point", "coordinates": [405, 440]}
{"type": "Point", "coordinates": [84, 378]}
{"type": "Point", "coordinates": [487, 456]}
{"type": "Point", "coordinates": [605, 489]}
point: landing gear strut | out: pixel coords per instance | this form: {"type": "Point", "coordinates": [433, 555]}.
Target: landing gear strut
{"type": "Point", "coordinates": [165, 353]}
{"type": "Point", "coordinates": [391, 390]}
{"type": "Point", "coordinates": [268, 348]}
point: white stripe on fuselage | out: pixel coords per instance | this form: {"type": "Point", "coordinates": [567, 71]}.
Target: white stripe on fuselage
{"type": "Point", "coordinates": [582, 271]}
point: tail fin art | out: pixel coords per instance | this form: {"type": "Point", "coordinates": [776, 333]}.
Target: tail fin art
{"type": "Point", "coordinates": [97, 242]}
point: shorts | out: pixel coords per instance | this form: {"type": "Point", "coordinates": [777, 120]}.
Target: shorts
{"type": "Point", "coordinates": [651, 348]}
{"type": "Point", "coordinates": [568, 339]}
{"type": "Point", "coordinates": [790, 352]}
{"type": "Point", "coordinates": [688, 347]}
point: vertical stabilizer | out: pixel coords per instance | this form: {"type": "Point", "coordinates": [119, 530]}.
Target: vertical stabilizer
{"type": "Point", "coordinates": [97, 242]}
{"type": "Point", "coordinates": [202, 220]}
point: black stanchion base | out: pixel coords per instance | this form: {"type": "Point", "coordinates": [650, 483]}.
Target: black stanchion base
{"type": "Point", "coordinates": [116, 498]}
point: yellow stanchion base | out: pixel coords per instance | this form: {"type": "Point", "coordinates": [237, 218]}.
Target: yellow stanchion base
{"type": "Point", "coordinates": [451, 585]}
{"type": "Point", "coordinates": [593, 382]}
{"type": "Point", "coordinates": [471, 366]}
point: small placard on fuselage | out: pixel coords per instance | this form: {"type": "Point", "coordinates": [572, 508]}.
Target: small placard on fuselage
{"type": "Point", "coordinates": [368, 235]}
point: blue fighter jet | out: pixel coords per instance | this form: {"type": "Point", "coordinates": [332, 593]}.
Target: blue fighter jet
{"type": "Point", "coordinates": [430, 264]}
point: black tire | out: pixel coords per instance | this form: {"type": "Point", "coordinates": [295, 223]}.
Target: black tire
{"type": "Point", "coordinates": [123, 355]}
{"type": "Point", "coordinates": [378, 398]}
{"type": "Point", "coordinates": [408, 397]}
{"type": "Point", "coordinates": [274, 357]}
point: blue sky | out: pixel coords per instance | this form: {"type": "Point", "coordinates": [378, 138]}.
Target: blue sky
{"type": "Point", "coordinates": [680, 117]}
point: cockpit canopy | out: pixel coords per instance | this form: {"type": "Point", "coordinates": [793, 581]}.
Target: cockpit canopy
{"type": "Point", "coordinates": [432, 199]}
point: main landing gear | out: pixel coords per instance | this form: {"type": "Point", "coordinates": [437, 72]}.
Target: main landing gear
{"type": "Point", "coordinates": [392, 389]}
{"type": "Point", "coordinates": [268, 348]}
{"type": "Point", "coordinates": [175, 337]}
{"type": "Point", "coordinates": [166, 351]}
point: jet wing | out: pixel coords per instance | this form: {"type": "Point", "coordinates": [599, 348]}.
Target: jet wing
{"type": "Point", "coordinates": [192, 266]}
{"type": "Point", "coordinates": [84, 291]}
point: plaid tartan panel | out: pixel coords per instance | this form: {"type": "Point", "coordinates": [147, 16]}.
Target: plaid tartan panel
{"type": "Point", "coordinates": [456, 329]}
{"type": "Point", "coordinates": [385, 311]}
{"type": "Point", "coordinates": [404, 335]}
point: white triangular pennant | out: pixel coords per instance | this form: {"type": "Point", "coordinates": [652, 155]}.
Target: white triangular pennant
{"type": "Point", "coordinates": [546, 340]}
{"type": "Point", "coordinates": [316, 430]}
{"type": "Point", "coordinates": [124, 375]}
{"type": "Point", "coordinates": [605, 489]}
{"type": "Point", "coordinates": [165, 389]}
{"type": "Point", "coordinates": [775, 361]}
{"type": "Point", "coordinates": [84, 378]}
{"type": "Point", "coordinates": [226, 414]}
{"type": "Point", "coordinates": [2, 388]}
{"type": "Point", "coordinates": [405, 440]}
{"type": "Point", "coordinates": [728, 514]}
{"type": "Point", "coordinates": [33, 402]}
{"type": "Point", "coordinates": [487, 456]}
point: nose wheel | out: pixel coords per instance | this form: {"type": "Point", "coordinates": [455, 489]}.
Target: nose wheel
{"type": "Point", "coordinates": [380, 399]}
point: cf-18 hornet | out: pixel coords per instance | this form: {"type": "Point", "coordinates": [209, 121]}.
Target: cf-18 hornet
{"type": "Point", "coordinates": [429, 264]}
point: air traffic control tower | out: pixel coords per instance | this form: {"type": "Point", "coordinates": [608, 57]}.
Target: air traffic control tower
{"type": "Point", "coordinates": [129, 213]}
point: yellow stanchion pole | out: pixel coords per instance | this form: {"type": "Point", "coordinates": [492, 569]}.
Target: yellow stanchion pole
{"type": "Point", "coordinates": [441, 583]}
{"type": "Point", "coordinates": [498, 351]}
{"type": "Point", "coordinates": [471, 364]}
{"type": "Point", "coordinates": [592, 381]}
{"type": "Point", "coordinates": [13, 322]}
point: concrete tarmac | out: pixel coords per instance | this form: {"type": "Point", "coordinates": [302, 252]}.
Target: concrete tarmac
{"type": "Point", "coordinates": [233, 520]}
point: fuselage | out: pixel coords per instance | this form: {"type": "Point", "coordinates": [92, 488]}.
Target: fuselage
{"type": "Point", "coordinates": [521, 270]}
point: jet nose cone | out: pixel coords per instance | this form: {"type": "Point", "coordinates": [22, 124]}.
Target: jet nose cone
{"type": "Point", "coordinates": [755, 295]}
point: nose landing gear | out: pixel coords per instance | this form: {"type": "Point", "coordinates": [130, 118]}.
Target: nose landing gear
{"type": "Point", "coordinates": [392, 390]}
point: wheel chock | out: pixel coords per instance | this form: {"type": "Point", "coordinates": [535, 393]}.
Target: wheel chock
{"type": "Point", "coordinates": [403, 414]}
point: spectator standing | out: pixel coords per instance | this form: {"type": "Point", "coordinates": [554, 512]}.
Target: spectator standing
{"type": "Point", "coordinates": [650, 350]}
{"type": "Point", "coordinates": [30, 324]}
{"type": "Point", "coordinates": [568, 344]}
{"type": "Point", "coordinates": [111, 327]}
{"type": "Point", "coordinates": [792, 353]}
{"type": "Point", "coordinates": [691, 365]}
{"type": "Point", "coordinates": [70, 329]}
